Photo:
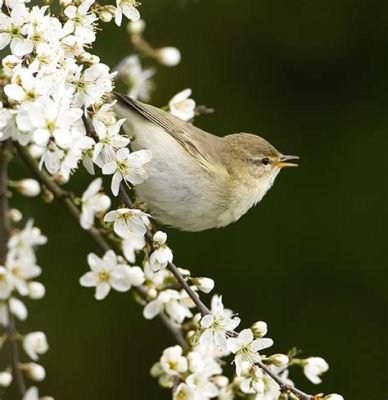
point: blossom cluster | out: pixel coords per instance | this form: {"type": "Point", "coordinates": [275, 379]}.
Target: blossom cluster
{"type": "Point", "coordinates": [52, 84]}
{"type": "Point", "coordinates": [17, 282]}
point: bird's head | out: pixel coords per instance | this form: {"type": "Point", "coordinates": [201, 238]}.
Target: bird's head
{"type": "Point", "coordinates": [256, 159]}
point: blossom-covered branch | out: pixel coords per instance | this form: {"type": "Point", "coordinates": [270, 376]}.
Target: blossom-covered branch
{"type": "Point", "coordinates": [66, 199]}
{"type": "Point", "coordinates": [57, 111]}
{"type": "Point", "coordinates": [17, 268]}
{"type": "Point", "coordinates": [5, 232]}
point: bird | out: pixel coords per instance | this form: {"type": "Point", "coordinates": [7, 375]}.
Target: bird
{"type": "Point", "coordinates": [197, 180]}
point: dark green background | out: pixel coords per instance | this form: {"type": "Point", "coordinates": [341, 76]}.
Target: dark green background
{"type": "Point", "coordinates": [312, 78]}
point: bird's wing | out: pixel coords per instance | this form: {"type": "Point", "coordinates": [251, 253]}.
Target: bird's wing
{"type": "Point", "coordinates": [191, 138]}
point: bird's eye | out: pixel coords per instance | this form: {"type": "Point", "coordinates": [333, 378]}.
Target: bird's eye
{"type": "Point", "coordinates": [265, 161]}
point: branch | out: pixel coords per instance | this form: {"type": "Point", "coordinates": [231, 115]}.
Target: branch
{"type": "Point", "coordinates": [5, 230]}
{"type": "Point", "coordinates": [66, 199]}
{"type": "Point", "coordinates": [203, 309]}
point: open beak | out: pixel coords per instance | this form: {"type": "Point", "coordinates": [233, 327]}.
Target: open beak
{"type": "Point", "coordinates": [283, 161]}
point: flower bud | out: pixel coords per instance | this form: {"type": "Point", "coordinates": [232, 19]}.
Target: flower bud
{"type": "Point", "coordinates": [47, 196]}
{"type": "Point", "coordinates": [34, 371]}
{"type": "Point", "coordinates": [279, 360]}
{"type": "Point", "coordinates": [36, 151]}
{"type": "Point", "coordinates": [220, 380]}
{"type": "Point", "coordinates": [136, 27]}
{"type": "Point", "coordinates": [84, 57]}
{"type": "Point", "coordinates": [34, 344]}
{"type": "Point", "coordinates": [60, 179]}
{"type": "Point", "coordinates": [28, 187]}
{"type": "Point", "coordinates": [94, 59]}
{"type": "Point", "coordinates": [152, 293]}
{"type": "Point", "coordinates": [65, 3]}
{"type": "Point", "coordinates": [15, 215]}
{"type": "Point", "coordinates": [156, 370]}
{"type": "Point", "coordinates": [205, 285]}
{"type": "Point", "coordinates": [5, 378]}
{"type": "Point", "coordinates": [105, 16]}
{"type": "Point", "coordinates": [259, 329]}
{"type": "Point", "coordinates": [160, 237]}
{"type": "Point", "coordinates": [333, 396]}
{"type": "Point", "coordinates": [36, 290]}
{"type": "Point", "coordinates": [193, 337]}
{"type": "Point", "coordinates": [18, 308]}
{"type": "Point", "coordinates": [169, 56]}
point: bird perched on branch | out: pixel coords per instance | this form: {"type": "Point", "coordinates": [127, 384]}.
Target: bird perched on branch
{"type": "Point", "coordinates": [197, 180]}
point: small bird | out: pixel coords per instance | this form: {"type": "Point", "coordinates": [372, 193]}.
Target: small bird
{"type": "Point", "coordinates": [197, 180]}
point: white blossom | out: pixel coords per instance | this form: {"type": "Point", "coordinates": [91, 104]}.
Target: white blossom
{"type": "Point", "coordinates": [49, 119]}
{"type": "Point", "coordinates": [93, 202]}
{"type": "Point", "coordinates": [13, 30]}
{"type": "Point", "coordinates": [22, 269]}
{"type": "Point", "coordinates": [21, 244]}
{"type": "Point", "coordinates": [91, 84]}
{"type": "Point", "coordinates": [216, 325]}
{"type": "Point", "coordinates": [81, 22]}
{"type": "Point", "coordinates": [127, 221]}
{"type": "Point", "coordinates": [131, 244]}
{"type": "Point", "coordinates": [110, 141]}
{"type": "Point", "coordinates": [6, 283]}
{"type": "Point", "coordinates": [202, 387]}
{"type": "Point", "coordinates": [162, 254]}
{"type": "Point", "coordinates": [313, 367]}
{"type": "Point", "coordinates": [246, 348]}
{"type": "Point", "coordinates": [136, 78]}
{"type": "Point", "coordinates": [26, 86]}
{"type": "Point", "coordinates": [108, 272]}
{"type": "Point", "coordinates": [128, 8]}
{"type": "Point", "coordinates": [172, 302]}
{"type": "Point", "coordinates": [127, 166]}
{"type": "Point", "coordinates": [173, 362]}
{"type": "Point", "coordinates": [182, 106]}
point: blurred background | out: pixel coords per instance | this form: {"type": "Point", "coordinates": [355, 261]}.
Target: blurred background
{"type": "Point", "coordinates": [312, 78]}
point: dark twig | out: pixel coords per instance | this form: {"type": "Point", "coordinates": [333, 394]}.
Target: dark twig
{"type": "Point", "coordinates": [5, 230]}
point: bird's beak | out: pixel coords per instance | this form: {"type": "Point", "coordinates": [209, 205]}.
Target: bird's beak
{"type": "Point", "coordinates": [283, 161]}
